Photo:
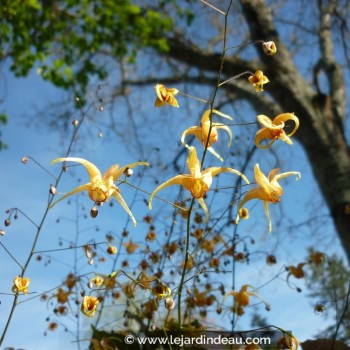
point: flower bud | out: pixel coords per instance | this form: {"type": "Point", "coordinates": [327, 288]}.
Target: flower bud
{"type": "Point", "coordinates": [53, 190]}
{"type": "Point", "coordinates": [90, 285]}
{"type": "Point", "coordinates": [24, 160]}
{"type": "Point", "coordinates": [169, 303]}
{"type": "Point", "coordinates": [93, 212]}
{"type": "Point", "coordinates": [269, 48]}
{"type": "Point", "coordinates": [91, 261]}
{"type": "Point", "coordinates": [2, 233]}
{"type": "Point", "coordinates": [75, 122]}
{"type": "Point", "coordinates": [243, 213]}
{"type": "Point", "coordinates": [128, 172]}
{"type": "Point", "coordinates": [100, 134]}
{"type": "Point", "coordinates": [7, 222]}
{"type": "Point", "coordinates": [112, 250]}
{"type": "Point", "coordinates": [271, 260]}
{"type": "Point", "coordinates": [100, 108]}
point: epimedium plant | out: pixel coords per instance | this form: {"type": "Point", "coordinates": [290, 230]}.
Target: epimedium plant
{"type": "Point", "coordinates": [212, 249]}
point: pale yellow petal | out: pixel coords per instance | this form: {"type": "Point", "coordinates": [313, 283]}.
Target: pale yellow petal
{"type": "Point", "coordinates": [254, 193]}
{"type": "Point", "coordinates": [193, 164]}
{"type": "Point", "coordinates": [92, 170]}
{"type": "Point", "coordinates": [217, 155]}
{"type": "Point", "coordinates": [266, 207]}
{"type": "Point", "coordinates": [227, 129]}
{"type": "Point", "coordinates": [203, 205]}
{"type": "Point", "coordinates": [158, 89]}
{"type": "Point", "coordinates": [260, 178]}
{"type": "Point", "coordinates": [121, 201]}
{"type": "Point", "coordinates": [177, 180]}
{"type": "Point", "coordinates": [81, 188]}
{"type": "Point", "coordinates": [159, 103]}
{"type": "Point", "coordinates": [263, 134]}
{"type": "Point", "coordinates": [193, 130]}
{"type": "Point", "coordinates": [217, 170]}
{"type": "Point", "coordinates": [282, 118]}
{"type": "Point", "coordinates": [290, 173]}
{"type": "Point", "coordinates": [115, 172]}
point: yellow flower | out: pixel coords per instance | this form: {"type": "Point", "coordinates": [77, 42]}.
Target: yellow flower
{"type": "Point", "coordinates": [269, 190]}
{"type": "Point", "coordinates": [202, 131]}
{"type": "Point", "coordinates": [97, 281]}
{"type": "Point", "coordinates": [197, 182]}
{"type": "Point", "coordinates": [89, 305]}
{"type": "Point", "coordinates": [242, 298]}
{"type": "Point", "coordinates": [288, 341]}
{"type": "Point", "coordinates": [20, 284]}
{"type": "Point", "coordinates": [274, 129]}
{"type": "Point", "coordinates": [165, 96]}
{"type": "Point", "coordinates": [161, 291]}
{"type": "Point", "coordinates": [258, 79]}
{"type": "Point", "coordinates": [62, 296]}
{"type": "Point", "coordinates": [130, 247]}
{"type": "Point", "coordinates": [100, 189]}
{"type": "Point", "coordinates": [269, 48]}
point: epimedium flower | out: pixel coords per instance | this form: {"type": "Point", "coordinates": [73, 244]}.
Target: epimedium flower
{"type": "Point", "coordinates": [197, 182]}
{"type": "Point", "coordinates": [165, 95]}
{"type": "Point", "coordinates": [161, 291]}
{"type": "Point", "coordinates": [100, 188]}
{"type": "Point", "coordinates": [274, 129]}
{"type": "Point", "coordinates": [269, 190]}
{"type": "Point", "coordinates": [89, 306]}
{"type": "Point", "coordinates": [202, 131]}
{"type": "Point", "coordinates": [288, 341]}
{"type": "Point", "coordinates": [269, 48]}
{"type": "Point", "coordinates": [242, 298]}
{"type": "Point", "coordinates": [20, 285]}
{"type": "Point", "coordinates": [258, 80]}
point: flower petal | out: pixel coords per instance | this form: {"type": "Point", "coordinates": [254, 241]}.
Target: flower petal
{"type": "Point", "coordinates": [118, 197]}
{"type": "Point", "coordinates": [289, 173]}
{"type": "Point", "coordinates": [227, 129]}
{"type": "Point", "coordinates": [203, 205]}
{"type": "Point", "coordinates": [217, 170]}
{"type": "Point", "coordinates": [81, 188]}
{"type": "Point", "coordinates": [263, 134]}
{"type": "Point", "coordinates": [177, 180]}
{"type": "Point", "coordinates": [266, 207]}
{"type": "Point", "coordinates": [282, 118]}
{"type": "Point", "coordinates": [92, 170]}
{"type": "Point", "coordinates": [193, 163]}
{"type": "Point", "coordinates": [193, 130]}
{"type": "Point", "coordinates": [115, 172]}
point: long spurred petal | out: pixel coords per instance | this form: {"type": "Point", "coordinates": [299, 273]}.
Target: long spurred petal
{"type": "Point", "coordinates": [203, 205]}
{"type": "Point", "coordinates": [193, 163]}
{"type": "Point", "coordinates": [74, 191]}
{"type": "Point", "coordinates": [121, 201]}
{"type": "Point", "coordinates": [217, 170]}
{"type": "Point", "coordinates": [263, 134]}
{"type": "Point", "coordinates": [115, 172]}
{"type": "Point", "coordinates": [177, 180]}
{"type": "Point", "coordinates": [193, 130]}
{"type": "Point", "coordinates": [266, 207]}
{"type": "Point", "coordinates": [289, 173]}
{"type": "Point", "coordinates": [92, 170]}
{"type": "Point", "coordinates": [227, 129]}
{"type": "Point", "coordinates": [282, 118]}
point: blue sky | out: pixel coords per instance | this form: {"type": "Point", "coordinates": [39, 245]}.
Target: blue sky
{"type": "Point", "coordinates": [26, 187]}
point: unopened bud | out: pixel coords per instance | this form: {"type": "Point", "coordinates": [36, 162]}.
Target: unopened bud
{"type": "Point", "coordinates": [112, 250]}
{"type": "Point", "coordinates": [75, 122]}
{"type": "Point", "coordinates": [2, 233]}
{"type": "Point", "coordinates": [7, 222]}
{"type": "Point", "coordinates": [88, 251]}
{"type": "Point", "coordinates": [53, 190]}
{"type": "Point", "coordinates": [24, 160]}
{"type": "Point", "coordinates": [91, 261]}
{"type": "Point", "coordinates": [128, 172]}
{"type": "Point", "coordinates": [169, 303]}
{"type": "Point", "coordinates": [269, 48]}
{"type": "Point", "coordinates": [268, 307]}
{"type": "Point", "coordinates": [93, 212]}
{"type": "Point", "coordinates": [100, 134]}
{"type": "Point", "coordinates": [90, 285]}
{"type": "Point", "coordinates": [64, 168]}
{"type": "Point", "coordinates": [100, 108]}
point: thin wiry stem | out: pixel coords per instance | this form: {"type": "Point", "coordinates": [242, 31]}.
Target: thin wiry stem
{"type": "Point", "coordinates": [40, 226]}
{"type": "Point", "coordinates": [204, 154]}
